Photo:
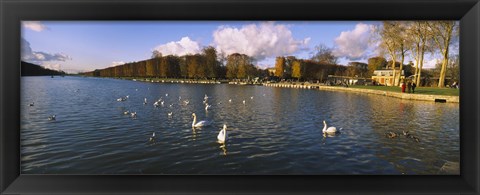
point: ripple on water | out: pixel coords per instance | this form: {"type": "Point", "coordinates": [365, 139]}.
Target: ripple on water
{"type": "Point", "coordinates": [278, 133]}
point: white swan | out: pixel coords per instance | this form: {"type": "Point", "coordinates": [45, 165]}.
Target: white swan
{"type": "Point", "coordinates": [328, 129]}
{"type": "Point", "coordinates": [200, 123]}
{"type": "Point", "coordinates": [222, 135]}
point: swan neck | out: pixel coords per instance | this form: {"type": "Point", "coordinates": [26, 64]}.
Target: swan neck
{"type": "Point", "coordinates": [194, 120]}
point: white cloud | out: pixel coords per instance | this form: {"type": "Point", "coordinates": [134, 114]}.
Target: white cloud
{"type": "Point", "coordinates": [38, 57]}
{"type": "Point", "coordinates": [182, 47]}
{"type": "Point", "coordinates": [52, 66]}
{"type": "Point", "coordinates": [116, 63]}
{"type": "Point", "coordinates": [258, 41]}
{"type": "Point", "coordinates": [34, 25]}
{"type": "Point", "coordinates": [354, 44]}
{"type": "Point", "coordinates": [430, 63]}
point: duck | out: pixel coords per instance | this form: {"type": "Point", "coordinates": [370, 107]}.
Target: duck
{"type": "Point", "coordinates": [166, 95]}
{"type": "Point", "coordinates": [31, 104]}
{"type": "Point", "coordinates": [222, 135]}
{"type": "Point", "coordinates": [330, 130]}
{"type": "Point", "coordinates": [126, 112]}
{"type": "Point", "coordinates": [152, 139]}
{"type": "Point", "coordinates": [391, 134]}
{"type": "Point", "coordinates": [416, 139]}
{"type": "Point", "coordinates": [134, 114]}
{"type": "Point", "coordinates": [200, 123]}
{"type": "Point", "coordinates": [52, 118]}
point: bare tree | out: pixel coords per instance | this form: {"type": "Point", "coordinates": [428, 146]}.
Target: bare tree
{"type": "Point", "coordinates": [420, 39]}
{"type": "Point", "coordinates": [442, 32]}
{"type": "Point", "coordinates": [324, 54]}
{"type": "Point", "coordinates": [389, 41]}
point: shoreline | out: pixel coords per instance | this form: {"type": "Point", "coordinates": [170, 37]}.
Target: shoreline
{"type": "Point", "coordinates": [405, 96]}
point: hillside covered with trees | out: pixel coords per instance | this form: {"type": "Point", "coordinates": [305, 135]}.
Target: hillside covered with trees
{"type": "Point", "coordinates": [29, 69]}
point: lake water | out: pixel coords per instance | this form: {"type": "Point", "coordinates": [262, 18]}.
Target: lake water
{"type": "Point", "coordinates": [279, 131]}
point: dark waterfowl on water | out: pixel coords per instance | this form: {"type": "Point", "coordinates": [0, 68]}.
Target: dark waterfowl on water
{"type": "Point", "coordinates": [52, 118]}
{"type": "Point", "coordinates": [391, 134]}
{"type": "Point", "coordinates": [152, 139]}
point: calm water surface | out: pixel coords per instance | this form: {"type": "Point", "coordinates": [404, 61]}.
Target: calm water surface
{"type": "Point", "coordinates": [276, 132]}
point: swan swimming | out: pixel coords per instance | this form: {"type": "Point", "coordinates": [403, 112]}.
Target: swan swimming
{"type": "Point", "coordinates": [328, 129]}
{"type": "Point", "coordinates": [222, 135]}
{"type": "Point", "coordinates": [200, 123]}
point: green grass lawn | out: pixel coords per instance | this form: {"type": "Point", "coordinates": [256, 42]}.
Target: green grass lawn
{"type": "Point", "coordinates": [418, 90]}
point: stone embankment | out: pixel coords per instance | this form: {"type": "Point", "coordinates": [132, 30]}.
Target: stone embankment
{"type": "Point", "coordinates": [408, 96]}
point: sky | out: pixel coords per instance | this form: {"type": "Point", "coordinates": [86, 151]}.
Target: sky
{"type": "Point", "coordinates": [79, 46]}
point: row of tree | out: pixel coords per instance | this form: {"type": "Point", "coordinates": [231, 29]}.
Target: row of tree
{"type": "Point", "coordinates": [205, 65]}
{"type": "Point", "coordinates": [29, 69]}
{"type": "Point", "coordinates": [416, 38]}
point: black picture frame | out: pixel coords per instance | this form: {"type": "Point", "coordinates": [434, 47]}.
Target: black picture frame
{"type": "Point", "coordinates": [13, 11]}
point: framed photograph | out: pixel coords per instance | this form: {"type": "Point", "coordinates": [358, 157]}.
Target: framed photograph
{"type": "Point", "coordinates": [239, 97]}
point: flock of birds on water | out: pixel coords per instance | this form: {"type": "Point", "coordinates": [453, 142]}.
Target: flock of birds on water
{"type": "Point", "coordinates": [222, 136]}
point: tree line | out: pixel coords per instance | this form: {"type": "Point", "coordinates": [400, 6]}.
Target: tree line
{"type": "Point", "coordinates": [29, 69]}
{"type": "Point", "coordinates": [416, 38]}
{"type": "Point", "coordinates": [205, 65]}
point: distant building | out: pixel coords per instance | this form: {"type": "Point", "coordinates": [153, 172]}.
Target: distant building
{"type": "Point", "coordinates": [385, 77]}
{"type": "Point", "coordinates": [271, 71]}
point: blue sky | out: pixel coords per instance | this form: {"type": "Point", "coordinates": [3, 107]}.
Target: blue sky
{"type": "Point", "coordinates": [77, 46]}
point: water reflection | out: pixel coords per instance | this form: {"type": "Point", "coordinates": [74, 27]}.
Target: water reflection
{"type": "Point", "coordinates": [279, 131]}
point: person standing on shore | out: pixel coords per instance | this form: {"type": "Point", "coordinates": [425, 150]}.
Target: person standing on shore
{"type": "Point", "coordinates": [413, 87]}
{"type": "Point", "coordinates": [403, 87]}
{"type": "Point", "coordinates": [409, 86]}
